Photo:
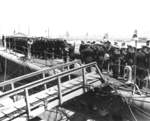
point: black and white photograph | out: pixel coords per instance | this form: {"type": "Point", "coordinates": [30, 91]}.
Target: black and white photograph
{"type": "Point", "coordinates": [74, 60]}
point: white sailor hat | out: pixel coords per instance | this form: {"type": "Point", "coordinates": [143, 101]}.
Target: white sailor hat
{"type": "Point", "coordinates": [123, 45]}
{"type": "Point", "coordinates": [116, 45]}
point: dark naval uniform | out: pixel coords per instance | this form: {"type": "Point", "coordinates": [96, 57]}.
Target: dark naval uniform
{"type": "Point", "coordinates": [115, 61]}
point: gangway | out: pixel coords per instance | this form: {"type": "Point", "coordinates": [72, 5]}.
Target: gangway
{"type": "Point", "coordinates": [21, 80]}
{"type": "Point", "coordinates": [34, 104]}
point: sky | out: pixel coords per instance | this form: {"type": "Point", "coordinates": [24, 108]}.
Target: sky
{"type": "Point", "coordinates": [118, 18]}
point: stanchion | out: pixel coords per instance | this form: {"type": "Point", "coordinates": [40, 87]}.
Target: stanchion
{"type": "Point", "coordinates": [27, 103]}
{"type": "Point", "coordinates": [59, 91]}
{"type": "Point", "coordinates": [84, 80]}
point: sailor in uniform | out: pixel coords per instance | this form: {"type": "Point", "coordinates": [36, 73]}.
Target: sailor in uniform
{"type": "Point", "coordinates": [29, 42]}
{"type": "Point", "coordinates": [107, 57]}
{"type": "Point", "coordinates": [115, 60]}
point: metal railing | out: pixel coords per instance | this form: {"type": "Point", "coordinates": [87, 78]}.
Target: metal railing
{"type": "Point", "coordinates": [30, 105]}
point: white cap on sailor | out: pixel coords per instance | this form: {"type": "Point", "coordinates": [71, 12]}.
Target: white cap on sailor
{"type": "Point", "coordinates": [123, 45]}
{"type": "Point", "coordinates": [116, 45]}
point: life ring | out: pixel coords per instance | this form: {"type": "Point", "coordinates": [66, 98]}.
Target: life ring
{"type": "Point", "coordinates": [128, 74]}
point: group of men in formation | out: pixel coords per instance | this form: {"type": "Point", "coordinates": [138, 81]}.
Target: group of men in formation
{"type": "Point", "coordinates": [108, 57]}
{"type": "Point", "coordinates": [40, 47]}
{"type": "Point", "coordinates": [113, 58]}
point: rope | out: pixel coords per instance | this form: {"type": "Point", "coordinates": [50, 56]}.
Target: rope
{"type": "Point", "coordinates": [129, 107]}
{"type": "Point", "coordinates": [136, 107]}
{"type": "Point", "coordinates": [142, 111]}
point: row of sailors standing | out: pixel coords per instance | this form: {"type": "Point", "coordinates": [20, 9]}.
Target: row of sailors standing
{"type": "Point", "coordinates": [38, 47]}
{"type": "Point", "coordinates": [113, 58]}
{"type": "Point", "coordinates": [133, 56]}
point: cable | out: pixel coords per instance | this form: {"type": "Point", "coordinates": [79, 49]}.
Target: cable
{"type": "Point", "coordinates": [129, 107]}
{"type": "Point", "coordinates": [142, 111]}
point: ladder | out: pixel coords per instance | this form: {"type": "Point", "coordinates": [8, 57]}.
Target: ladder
{"type": "Point", "coordinates": [33, 105]}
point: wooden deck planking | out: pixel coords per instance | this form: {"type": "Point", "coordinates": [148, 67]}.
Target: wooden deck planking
{"type": "Point", "coordinates": [52, 93]}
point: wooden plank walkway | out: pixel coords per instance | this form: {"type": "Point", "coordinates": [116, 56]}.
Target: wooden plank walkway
{"type": "Point", "coordinates": [33, 105]}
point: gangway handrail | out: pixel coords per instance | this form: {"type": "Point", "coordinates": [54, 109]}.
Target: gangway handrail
{"type": "Point", "coordinates": [42, 81]}
{"type": "Point", "coordinates": [43, 71]}
{"type": "Point", "coordinates": [31, 105]}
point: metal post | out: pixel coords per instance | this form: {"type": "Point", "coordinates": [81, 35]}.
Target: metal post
{"type": "Point", "coordinates": [27, 103]}
{"type": "Point", "coordinates": [59, 90]}
{"type": "Point", "coordinates": [45, 87]}
{"type": "Point", "coordinates": [84, 80]}
{"type": "Point", "coordinates": [12, 86]}
{"type": "Point", "coordinates": [68, 68]}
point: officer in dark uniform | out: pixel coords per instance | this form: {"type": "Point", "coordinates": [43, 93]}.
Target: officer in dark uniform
{"type": "Point", "coordinates": [81, 48]}
{"type": "Point", "coordinates": [65, 54]}
{"type": "Point", "coordinates": [30, 42]}
{"type": "Point", "coordinates": [115, 60]}
{"type": "Point", "coordinates": [108, 54]}
{"type": "Point", "coordinates": [123, 60]}
{"type": "Point", "coordinates": [130, 55]}
{"type": "Point", "coordinates": [65, 51]}
{"type": "Point", "coordinates": [99, 56]}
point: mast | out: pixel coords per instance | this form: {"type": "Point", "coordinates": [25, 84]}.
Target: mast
{"type": "Point", "coordinates": [135, 38]}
